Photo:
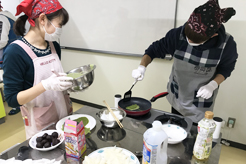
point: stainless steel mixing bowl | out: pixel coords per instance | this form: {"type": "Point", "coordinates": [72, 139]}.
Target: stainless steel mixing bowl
{"type": "Point", "coordinates": [108, 123]}
{"type": "Point", "coordinates": [86, 78]}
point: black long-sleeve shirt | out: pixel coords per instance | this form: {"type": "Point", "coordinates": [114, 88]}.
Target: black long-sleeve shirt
{"type": "Point", "coordinates": [169, 43]}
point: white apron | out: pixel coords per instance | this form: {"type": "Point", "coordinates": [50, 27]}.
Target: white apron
{"type": "Point", "coordinates": [50, 106]}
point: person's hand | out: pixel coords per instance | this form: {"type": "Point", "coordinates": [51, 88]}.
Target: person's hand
{"type": "Point", "coordinates": [57, 83]}
{"type": "Point", "coordinates": [206, 91]}
{"type": "Point", "coordinates": [139, 72]}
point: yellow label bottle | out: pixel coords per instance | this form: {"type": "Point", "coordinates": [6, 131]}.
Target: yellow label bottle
{"type": "Point", "coordinates": [204, 139]}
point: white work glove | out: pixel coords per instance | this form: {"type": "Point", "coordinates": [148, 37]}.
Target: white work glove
{"type": "Point", "coordinates": [57, 83]}
{"type": "Point", "coordinates": [206, 91]}
{"type": "Point", "coordinates": [139, 73]}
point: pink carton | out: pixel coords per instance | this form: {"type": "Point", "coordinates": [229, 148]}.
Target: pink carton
{"type": "Point", "coordinates": [74, 134]}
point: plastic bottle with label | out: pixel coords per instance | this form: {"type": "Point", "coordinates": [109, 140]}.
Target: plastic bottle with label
{"type": "Point", "coordinates": [203, 145]}
{"type": "Point", "coordinates": [155, 145]}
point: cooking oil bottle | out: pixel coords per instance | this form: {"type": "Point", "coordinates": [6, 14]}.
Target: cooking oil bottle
{"type": "Point", "coordinates": [204, 139]}
{"type": "Point", "coordinates": [155, 145]}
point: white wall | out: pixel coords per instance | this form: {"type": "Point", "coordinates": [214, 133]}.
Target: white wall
{"type": "Point", "coordinates": [113, 73]}
{"type": "Point", "coordinates": [11, 7]}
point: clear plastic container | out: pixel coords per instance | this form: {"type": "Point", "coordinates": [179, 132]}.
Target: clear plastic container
{"type": "Point", "coordinates": [203, 145]}
{"type": "Point", "coordinates": [155, 145]}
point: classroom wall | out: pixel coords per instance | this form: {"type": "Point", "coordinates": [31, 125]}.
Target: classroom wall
{"type": "Point", "coordinates": [113, 73]}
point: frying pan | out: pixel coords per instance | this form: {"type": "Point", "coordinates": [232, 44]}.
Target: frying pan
{"type": "Point", "coordinates": [144, 105]}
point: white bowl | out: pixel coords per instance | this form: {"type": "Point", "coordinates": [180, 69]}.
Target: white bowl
{"type": "Point", "coordinates": [32, 141]}
{"type": "Point", "coordinates": [175, 133]}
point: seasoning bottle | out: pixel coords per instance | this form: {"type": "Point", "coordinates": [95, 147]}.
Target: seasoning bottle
{"type": "Point", "coordinates": [155, 145]}
{"type": "Point", "coordinates": [203, 145]}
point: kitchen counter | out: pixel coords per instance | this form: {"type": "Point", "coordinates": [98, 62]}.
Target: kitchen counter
{"type": "Point", "coordinates": [130, 138]}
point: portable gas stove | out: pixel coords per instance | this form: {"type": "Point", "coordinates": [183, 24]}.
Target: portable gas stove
{"type": "Point", "coordinates": [165, 117]}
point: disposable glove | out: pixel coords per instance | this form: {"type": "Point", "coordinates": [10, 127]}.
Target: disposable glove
{"type": "Point", "coordinates": [139, 73]}
{"type": "Point", "coordinates": [57, 83]}
{"type": "Point", "coordinates": [206, 91]}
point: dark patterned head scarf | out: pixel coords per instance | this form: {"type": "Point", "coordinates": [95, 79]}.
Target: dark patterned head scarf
{"type": "Point", "coordinates": [207, 19]}
{"type": "Point", "coordinates": [33, 8]}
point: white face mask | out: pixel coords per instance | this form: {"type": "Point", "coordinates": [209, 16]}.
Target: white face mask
{"type": "Point", "coordinates": [54, 36]}
{"type": "Point", "coordinates": [194, 44]}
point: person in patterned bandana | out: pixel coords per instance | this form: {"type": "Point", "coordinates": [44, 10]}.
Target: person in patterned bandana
{"type": "Point", "coordinates": [28, 64]}
{"type": "Point", "coordinates": [204, 56]}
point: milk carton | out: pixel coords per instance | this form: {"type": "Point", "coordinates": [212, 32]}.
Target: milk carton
{"type": "Point", "coordinates": [74, 138]}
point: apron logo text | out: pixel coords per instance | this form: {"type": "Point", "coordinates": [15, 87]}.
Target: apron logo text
{"type": "Point", "coordinates": [202, 70]}
{"type": "Point", "coordinates": [47, 62]}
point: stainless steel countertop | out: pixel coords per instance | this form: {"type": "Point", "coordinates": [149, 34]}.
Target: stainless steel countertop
{"type": "Point", "coordinates": [132, 140]}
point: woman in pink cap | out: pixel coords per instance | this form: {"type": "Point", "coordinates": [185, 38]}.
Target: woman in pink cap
{"type": "Point", "coordinates": [28, 64]}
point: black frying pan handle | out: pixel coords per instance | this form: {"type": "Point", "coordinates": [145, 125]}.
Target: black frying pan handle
{"type": "Point", "coordinates": [162, 94]}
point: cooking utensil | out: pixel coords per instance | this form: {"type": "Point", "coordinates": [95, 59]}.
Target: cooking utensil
{"type": "Point", "coordinates": [85, 80]}
{"type": "Point", "coordinates": [53, 71]}
{"type": "Point", "coordinates": [109, 123]}
{"type": "Point", "coordinates": [128, 94]}
{"type": "Point", "coordinates": [144, 105]}
{"type": "Point", "coordinates": [116, 119]}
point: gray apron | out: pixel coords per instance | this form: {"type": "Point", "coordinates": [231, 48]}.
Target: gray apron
{"type": "Point", "coordinates": [186, 79]}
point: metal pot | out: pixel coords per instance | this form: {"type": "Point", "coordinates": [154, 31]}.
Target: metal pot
{"type": "Point", "coordinates": [108, 123]}
{"type": "Point", "coordinates": [86, 78]}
